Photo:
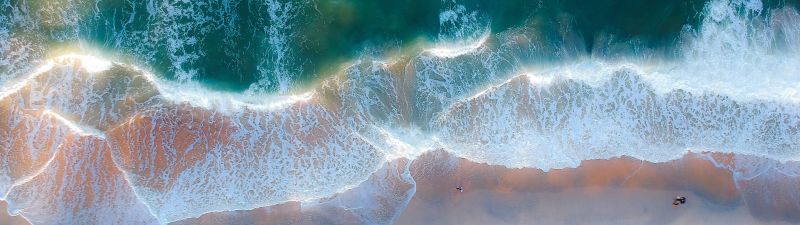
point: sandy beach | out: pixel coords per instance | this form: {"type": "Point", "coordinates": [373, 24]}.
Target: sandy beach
{"type": "Point", "coordinates": [8, 219]}
{"type": "Point", "coordinates": [614, 191]}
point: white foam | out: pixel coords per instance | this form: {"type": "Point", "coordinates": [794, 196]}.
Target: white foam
{"type": "Point", "coordinates": [739, 50]}
{"type": "Point", "coordinates": [275, 69]}
{"type": "Point", "coordinates": [184, 26]}
{"type": "Point", "coordinates": [196, 94]}
{"type": "Point", "coordinates": [730, 92]}
{"type": "Point", "coordinates": [89, 63]}
{"type": "Point", "coordinates": [80, 129]}
{"type": "Point", "coordinates": [60, 192]}
{"type": "Point", "coordinates": [263, 158]}
{"type": "Point", "coordinates": [560, 123]}
{"type": "Point", "coordinates": [451, 50]}
{"type": "Point", "coordinates": [460, 30]}
{"type": "Point", "coordinates": [657, 111]}
{"type": "Point", "coordinates": [406, 143]}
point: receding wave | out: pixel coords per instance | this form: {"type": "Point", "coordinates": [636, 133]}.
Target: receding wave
{"type": "Point", "coordinates": [161, 149]}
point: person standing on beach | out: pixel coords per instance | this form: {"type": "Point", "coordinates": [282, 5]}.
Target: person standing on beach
{"type": "Point", "coordinates": [678, 200]}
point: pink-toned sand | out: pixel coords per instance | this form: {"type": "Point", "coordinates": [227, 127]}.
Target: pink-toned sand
{"type": "Point", "coordinates": [614, 191]}
{"type": "Point", "coordinates": [7, 219]}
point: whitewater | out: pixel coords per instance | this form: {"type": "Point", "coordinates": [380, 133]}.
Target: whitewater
{"type": "Point", "coordinates": [162, 150]}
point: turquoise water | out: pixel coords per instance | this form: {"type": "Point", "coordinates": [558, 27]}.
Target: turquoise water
{"type": "Point", "coordinates": [277, 46]}
{"type": "Point", "coordinates": [250, 104]}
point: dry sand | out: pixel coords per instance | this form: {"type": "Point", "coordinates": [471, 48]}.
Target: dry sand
{"type": "Point", "coordinates": [614, 191]}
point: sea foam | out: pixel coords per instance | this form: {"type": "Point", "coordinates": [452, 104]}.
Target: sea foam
{"type": "Point", "coordinates": [183, 150]}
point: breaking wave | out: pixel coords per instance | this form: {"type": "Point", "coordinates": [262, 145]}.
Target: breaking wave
{"type": "Point", "coordinates": [162, 150]}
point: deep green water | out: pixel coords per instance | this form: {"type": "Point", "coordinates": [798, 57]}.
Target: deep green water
{"type": "Point", "coordinates": [518, 84]}
{"type": "Point", "coordinates": [231, 45]}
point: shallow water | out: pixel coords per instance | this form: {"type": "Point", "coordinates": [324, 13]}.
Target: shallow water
{"type": "Point", "coordinates": [160, 111]}
{"type": "Point", "coordinates": [275, 46]}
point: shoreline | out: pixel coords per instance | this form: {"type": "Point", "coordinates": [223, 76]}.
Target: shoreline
{"type": "Point", "coordinates": [598, 190]}
{"type": "Point", "coordinates": [8, 219]}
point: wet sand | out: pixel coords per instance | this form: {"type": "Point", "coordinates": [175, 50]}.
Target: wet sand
{"type": "Point", "coordinates": [7, 219]}
{"type": "Point", "coordinates": [378, 200]}
{"type": "Point", "coordinates": [596, 205]}
{"type": "Point", "coordinates": [614, 191]}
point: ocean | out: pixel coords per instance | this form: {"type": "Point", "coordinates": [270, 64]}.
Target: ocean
{"type": "Point", "coordinates": [180, 108]}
